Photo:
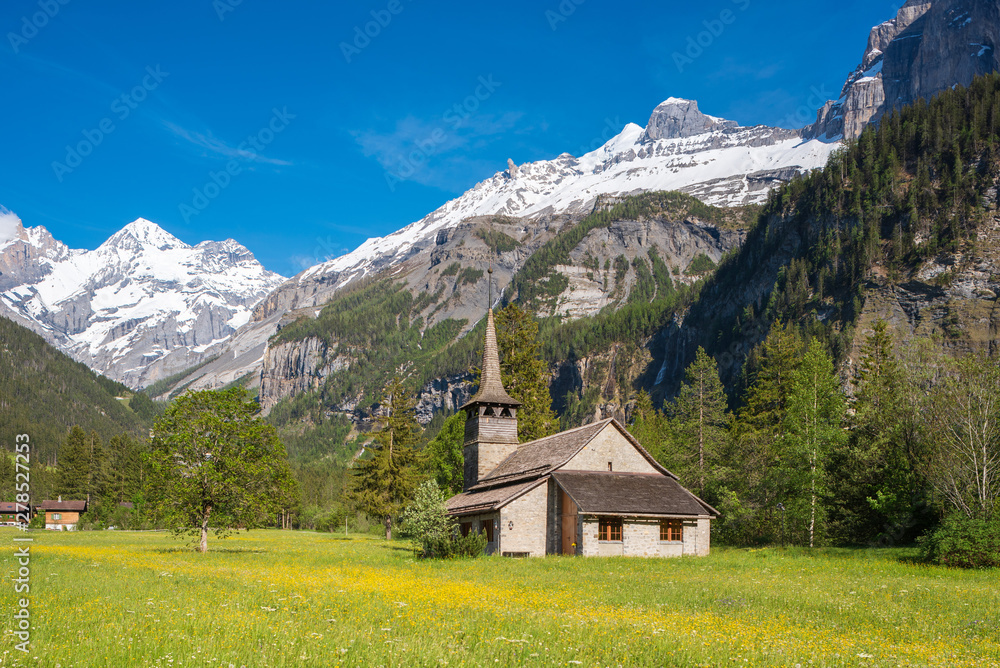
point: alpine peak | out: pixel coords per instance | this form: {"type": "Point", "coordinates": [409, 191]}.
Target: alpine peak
{"type": "Point", "coordinates": [677, 118]}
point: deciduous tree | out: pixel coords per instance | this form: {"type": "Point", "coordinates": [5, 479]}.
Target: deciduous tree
{"type": "Point", "coordinates": [215, 464]}
{"type": "Point", "coordinates": [445, 456]}
{"type": "Point", "coordinates": [963, 419]}
{"type": "Point", "coordinates": [813, 429]}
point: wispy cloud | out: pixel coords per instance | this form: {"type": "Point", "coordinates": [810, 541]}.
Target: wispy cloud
{"type": "Point", "coordinates": [211, 144]}
{"type": "Point", "coordinates": [437, 152]}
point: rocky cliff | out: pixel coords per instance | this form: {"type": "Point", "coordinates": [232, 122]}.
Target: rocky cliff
{"type": "Point", "coordinates": [928, 47]}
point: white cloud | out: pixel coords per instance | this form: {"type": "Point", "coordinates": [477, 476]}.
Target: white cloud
{"type": "Point", "coordinates": [438, 152]}
{"type": "Point", "coordinates": [10, 225]}
{"type": "Point", "coordinates": [215, 145]}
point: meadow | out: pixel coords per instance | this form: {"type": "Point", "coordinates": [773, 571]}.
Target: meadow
{"type": "Point", "coordinates": [307, 599]}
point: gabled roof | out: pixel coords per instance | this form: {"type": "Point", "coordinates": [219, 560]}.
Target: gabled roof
{"type": "Point", "coordinates": [8, 507]}
{"type": "Point", "coordinates": [488, 500]}
{"type": "Point", "coordinates": [631, 494]}
{"type": "Point", "coordinates": [545, 455]}
{"type": "Point", "coordinates": [72, 506]}
{"type": "Point", "coordinates": [531, 465]}
{"type": "Point", "coordinates": [491, 390]}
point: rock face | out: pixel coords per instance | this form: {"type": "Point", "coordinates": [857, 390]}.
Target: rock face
{"type": "Point", "coordinates": [927, 48]}
{"type": "Point", "coordinates": [300, 366]}
{"type": "Point", "coordinates": [677, 243]}
{"type": "Point", "coordinates": [143, 306]}
{"type": "Point", "coordinates": [676, 119]}
{"type": "Point", "coordinates": [291, 368]}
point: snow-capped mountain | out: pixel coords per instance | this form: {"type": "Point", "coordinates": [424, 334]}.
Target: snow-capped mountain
{"type": "Point", "coordinates": [680, 148]}
{"type": "Point", "coordinates": [716, 160]}
{"type": "Point", "coordinates": [142, 306]}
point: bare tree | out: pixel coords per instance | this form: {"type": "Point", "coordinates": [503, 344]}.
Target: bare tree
{"type": "Point", "coordinates": [962, 460]}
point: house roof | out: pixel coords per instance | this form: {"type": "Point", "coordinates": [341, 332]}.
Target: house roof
{"type": "Point", "coordinates": [633, 494]}
{"type": "Point", "coordinates": [8, 507]}
{"type": "Point", "coordinates": [491, 390]}
{"type": "Point", "coordinates": [545, 455]}
{"type": "Point", "coordinates": [532, 462]}
{"type": "Point", "coordinates": [72, 506]}
{"type": "Point", "coordinates": [488, 500]}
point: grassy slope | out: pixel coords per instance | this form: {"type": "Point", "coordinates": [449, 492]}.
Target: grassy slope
{"type": "Point", "coordinates": [305, 599]}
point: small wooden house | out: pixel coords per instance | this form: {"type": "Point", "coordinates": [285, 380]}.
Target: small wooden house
{"type": "Point", "coordinates": [62, 515]}
{"type": "Point", "coordinates": [8, 513]}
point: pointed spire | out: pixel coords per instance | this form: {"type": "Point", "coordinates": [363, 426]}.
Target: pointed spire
{"type": "Point", "coordinates": [491, 389]}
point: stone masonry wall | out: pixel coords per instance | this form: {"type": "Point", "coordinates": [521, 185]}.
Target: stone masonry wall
{"type": "Point", "coordinates": [524, 523]}
{"type": "Point", "coordinates": [641, 538]}
{"type": "Point", "coordinates": [610, 446]}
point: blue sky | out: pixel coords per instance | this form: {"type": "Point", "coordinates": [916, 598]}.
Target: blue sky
{"type": "Point", "coordinates": [252, 120]}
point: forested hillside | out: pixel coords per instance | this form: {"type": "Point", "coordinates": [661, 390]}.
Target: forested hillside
{"type": "Point", "coordinates": [43, 393]}
{"type": "Point", "coordinates": [910, 207]}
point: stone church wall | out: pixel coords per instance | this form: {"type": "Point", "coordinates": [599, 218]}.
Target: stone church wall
{"type": "Point", "coordinates": [524, 524]}
{"type": "Point", "coordinates": [610, 446]}
{"type": "Point", "coordinates": [641, 538]}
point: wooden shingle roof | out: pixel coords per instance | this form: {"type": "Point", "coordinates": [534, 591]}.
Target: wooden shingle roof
{"type": "Point", "coordinates": [491, 390]}
{"type": "Point", "coordinates": [630, 494]}
{"type": "Point", "coordinates": [488, 500]}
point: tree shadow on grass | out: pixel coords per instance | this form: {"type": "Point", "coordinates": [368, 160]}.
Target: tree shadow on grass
{"type": "Point", "coordinates": [211, 550]}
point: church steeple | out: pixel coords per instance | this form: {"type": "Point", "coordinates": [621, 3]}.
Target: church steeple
{"type": "Point", "coordinates": [491, 416]}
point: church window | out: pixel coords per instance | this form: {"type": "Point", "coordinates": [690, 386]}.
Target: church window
{"type": "Point", "coordinates": [466, 527]}
{"type": "Point", "coordinates": [672, 530]}
{"type": "Point", "coordinates": [488, 527]}
{"type": "Point", "coordinates": [609, 528]}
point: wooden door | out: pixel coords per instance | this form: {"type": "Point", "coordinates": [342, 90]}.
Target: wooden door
{"type": "Point", "coordinates": [569, 516]}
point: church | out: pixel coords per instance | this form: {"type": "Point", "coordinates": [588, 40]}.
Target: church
{"type": "Point", "coordinates": [593, 491]}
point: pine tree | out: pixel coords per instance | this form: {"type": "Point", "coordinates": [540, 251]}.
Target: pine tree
{"type": "Point", "coordinates": [74, 465]}
{"type": "Point", "coordinates": [702, 419]}
{"type": "Point", "coordinates": [384, 480]}
{"type": "Point", "coordinates": [754, 480]}
{"type": "Point", "coordinates": [126, 471]}
{"type": "Point", "coordinates": [874, 485]}
{"type": "Point", "coordinates": [525, 375]}
{"type": "Point", "coordinates": [814, 428]}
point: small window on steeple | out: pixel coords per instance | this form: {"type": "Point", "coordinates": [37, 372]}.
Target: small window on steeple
{"type": "Point", "coordinates": [611, 466]}
{"type": "Point", "coordinates": [506, 413]}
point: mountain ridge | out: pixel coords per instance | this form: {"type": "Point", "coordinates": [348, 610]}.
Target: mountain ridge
{"type": "Point", "coordinates": [141, 306]}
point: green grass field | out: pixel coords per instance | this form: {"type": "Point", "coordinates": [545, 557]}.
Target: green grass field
{"type": "Point", "coordinates": [307, 599]}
